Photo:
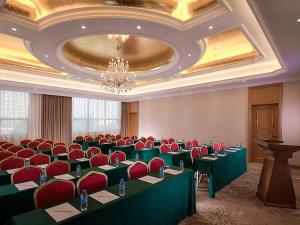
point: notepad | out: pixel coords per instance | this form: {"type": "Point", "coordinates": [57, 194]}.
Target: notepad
{"type": "Point", "coordinates": [82, 159]}
{"type": "Point", "coordinates": [234, 148]}
{"type": "Point", "coordinates": [231, 150]}
{"type": "Point", "coordinates": [62, 154]}
{"type": "Point", "coordinates": [208, 158]}
{"type": "Point", "coordinates": [186, 150]}
{"type": "Point", "coordinates": [150, 179]}
{"type": "Point", "coordinates": [106, 167]}
{"type": "Point", "coordinates": [64, 177]}
{"type": "Point", "coordinates": [12, 171]}
{"type": "Point", "coordinates": [104, 196]}
{"type": "Point", "coordinates": [173, 172]}
{"type": "Point", "coordinates": [174, 153]}
{"type": "Point", "coordinates": [221, 155]}
{"type": "Point", "coordinates": [127, 162]}
{"type": "Point", "coordinates": [43, 166]}
{"type": "Point", "coordinates": [26, 185]}
{"type": "Point", "coordinates": [62, 211]}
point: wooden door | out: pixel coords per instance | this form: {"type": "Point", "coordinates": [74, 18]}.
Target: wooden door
{"type": "Point", "coordinates": [265, 126]}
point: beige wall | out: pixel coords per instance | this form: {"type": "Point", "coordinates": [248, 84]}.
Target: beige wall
{"type": "Point", "coordinates": [215, 115]}
{"type": "Point", "coordinates": [291, 117]}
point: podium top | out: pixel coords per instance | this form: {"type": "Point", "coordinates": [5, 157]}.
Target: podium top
{"type": "Point", "coordinates": [277, 145]}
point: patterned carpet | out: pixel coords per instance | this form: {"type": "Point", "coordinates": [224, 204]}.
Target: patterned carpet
{"type": "Point", "coordinates": [237, 204]}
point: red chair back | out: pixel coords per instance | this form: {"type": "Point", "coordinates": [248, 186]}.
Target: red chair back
{"type": "Point", "coordinates": [33, 144]}
{"type": "Point", "coordinates": [150, 138]}
{"type": "Point", "coordinates": [25, 142]}
{"type": "Point", "coordinates": [49, 142]}
{"type": "Point", "coordinates": [195, 143]}
{"type": "Point", "coordinates": [143, 139]}
{"type": "Point", "coordinates": [53, 192]}
{"type": "Point", "coordinates": [126, 137]}
{"type": "Point", "coordinates": [188, 145]}
{"type": "Point", "coordinates": [75, 154]}
{"type": "Point", "coordinates": [40, 159]}
{"type": "Point", "coordinates": [25, 153]}
{"type": "Point", "coordinates": [133, 137]}
{"type": "Point", "coordinates": [164, 149]}
{"type": "Point", "coordinates": [107, 136]}
{"type": "Point", "coordinates": [164, 142]}
{"type": "Point", "coordinates": [149, 144]}
{"type": "Point", "coordinates": [203, 150]}
{"type": "Point", "coordinates": [128, 141]}
{"type": "Point", "coordinates": [58, 149]}
{"type": "Point", "coordinates": [89, 139]}
{"type": "Point", "coordinates": [155, 164]}
{"type": "Point", "coordinates": [6, 145]}
{"type": "Point", "coordinates": [113, 139]}
{"type": "Point", "coordinates": [26, 174]}
{"type": "Point", "coordinates": [11, 163]}
{"type": "Point", "coordinates": [74, 146]}
{"type": "Point", "coordinates": [92, 182]}
{"type": "Point", "coordinates": [99, 160]}
{"type": "Point", "coordinates": [216, 147]}
{"type": "Point", "coordinates": [59, 143]}
{"type": "Point", "coordinates": [118, 136]}
{"type": "Point", "coordinates": [78, 138]}
{"type": "Point", "coordinates": [174, 147]}
{"type": "Point", "coordinates": [119, 154]}
{"type": "Point", "coordinates": [15, 149]}
{"type": "Point", "coordinates": [103, 140]}
{"type": "Point", "coordinates": [171, 140]}
{"type": "Point", "coordinates": [5, 154]}
{"type": "Point", "coordinates": [139, 145]}
{"type": "Point", "coordinates": [195, 154]}
{"type": "Point", "coordinates": [39, 140]}
{"type": "Point", "coordinates": [44, 146]}
{"type": "Point", "coordinates": [99, 137]}
{"type": "Point", "coordinates": [137, 170]}
{"type": "Point", "coordinates": [223, 145]}
{"type": "Point", "coordinates": [121, 142]}
{"type": "Point", "coordinates": [92, 151]}
{"type": "Point", "coordinates": [57, 168]}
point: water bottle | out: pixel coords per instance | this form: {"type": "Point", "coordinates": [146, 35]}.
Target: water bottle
{"type": "Point", "coordinates": [84, 198]}
{"type": "Point", "coordinates": [117, 162]}
{"type": "Point", "coordinates": [27, 163]}
{"type": "Point", "coordinates": [180, 148]}
{"type": "Point", "coordinates": [78, 170]}
{"type": "Point", "coordinates": [161, 172]}
{"type": "Point", "coordinates": [55, 158]}
{"type": "Point", "coordinates": [122, 188]}
{"type": "Point", "coordinates": [137, 156]}
{"type": "Point", "coordinates": [181, 165]}
{"type": "Point", "coordinates": [92, 153]}
{"type": "Point", "coordinates": [109, 152]}
{"type": "Point", "coordinates": [43, 177]}
{"type": "Point", "coordinates": [151, 145]}
{"type": "Point", "coordinates": [241, 144]}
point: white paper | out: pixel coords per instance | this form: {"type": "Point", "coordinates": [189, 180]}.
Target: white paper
{"type": "Point", "coordinates": [82, 159]}
{"type": "Point", "coordinates": [104, 196]}
{"type": "Point", "coordinates": [127, 162]}
{"type": "Point", "coordinates": [43, 166]}
{"type": "Point", "coordinates": [174, 153]}
{"type": "Point", "coordinates": [150, 179]}
{"type": "Point", "coordinates": [221, 155]}
{"type": "Point", "coordinates": [26, 185]}
{"type": "Point", "coordinates": [62, 154]}
{"type": "Point", "coordinates": [12, 170]}
{"type": "Point", "coordinates": [173, 172]}
{"type": "Point", "coordinates": [186, 150]}
{"type": "Point", "coordinates": [106, 167]}
{"type": "Point", "coordinates": [234, 148]}
{"type": "Point", "coordinates": [231, 150]}
{"type": "Point", "coordinates": [62, 211]}
{"type": "Point", "coordinates": [64, 177]}
{"type": "Point", "coordinates": [208, 158]}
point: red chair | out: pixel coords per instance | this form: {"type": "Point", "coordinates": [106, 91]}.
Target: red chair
{"type": "Point", "coordinates": [149, 144]}
{"type": "Point", "coordinates": [174, 147]}
{"type": "Point", "coordinates": [103, 140]}
{"type": "Point", "coordinates": [26, 153]}
{"type": "Point", "coordinates": [164, 142]}
{"type": "Point", "coordinates": [188, 145]}
{"type": "Point", "coordinates": [119, 154]}
{"type": "Point", "coordinates": [57, 168]}
{"type": "Point", "coordinates": [39, 140]}
{"type": "Point", "coordinates": [164, 149]}
{"type": "Point", "coordinates": [26, 174]}
{"type": "Point", "coordinates": [53, 192]}
{"type": "Point", "coordinates": [118, 136]}
{"type": "Point", "coordinates": [133, 137]}
{"type": "Point", "coordinates": [126, 137]}
{"type": "Point", "coordinates": [15, 149]}
{"type": "Point", "coordinates": [33, 144]}
{"type": "Point", "coordinates": [143, 139]}
{"type": "Point", "coordinates": [216, 147]}
{"type": "Point", "coordinates": [40, 159]}
{"type": "Point", "coordinates": [6, 145]}
{"type": "Point", "coordinates": [59, 143]}
{"type": "Point", "coordinates": [44, 146]}
{"type": "Point", "coordinates": [128, 141]}
{"type": "Point", "coordinates": [92, 182]}
{"type": "Point", "coordinates": [59, 149]}
{"type": "Point", "coordinates": [195, 143]}
{"type": "Point", "coordinates": [11, 163]}
{"type": "Point", "coordinates": [107, 136]}
{"type": "Point", "coordinates": [92, 151]}
{"type": "Point", "coordinates": [99, 137]}
{"type": "Point", "coordinates": [75, 154]}
{"type": "Point", "coordinates": [5, 154]}
{"type": "Point", "coordinates": [155, 164]}
{"type": "Point", "coordinates": [99, 160]}
{"type": "Point", "coordinates": [150, 138]}
{"type": "Point", "coordinates": [171, 140]}
{"type": "Point", "coordinates": [113, 139]}
{"type": "Point", "coordinates": [1, 149]}
{"type": "Point", "coordinates": [195, 154]}
{"type": "Point", "coordinates": [139, 145]}
{"type": "Point", "coordinates": [137, 170]}
{"type": "Point", "coordinates": [49, 142]}
{"type": "Point", "coordinates": [88, 139]}
{"type": "Point", "coordinates": [203, 150]}
{"type": "Point", "coordinates": [121, 142]}
{"type": "Point", "coordinates": [78, 138]}
{"type": "Point", "coordinates": [74, 146]}
{"type": "Point", "coordinates": [3, 142]}
{"type": "Point", "coordinates": [25, 142]}
{"type": "Point", "coordinates": [223, 145]}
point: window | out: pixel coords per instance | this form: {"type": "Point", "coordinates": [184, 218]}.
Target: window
{"type": "Point", "coordinates": [94, 116]}
{"type": "Point", "coordinates": [14, 121]}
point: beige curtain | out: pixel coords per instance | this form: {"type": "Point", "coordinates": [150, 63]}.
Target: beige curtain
{"type": "Point", "coordinates": [124, 119]}
{"type": "Point", "coordinates": [35, 116]}
{"type": "Point", "coordinates": [57, 118]}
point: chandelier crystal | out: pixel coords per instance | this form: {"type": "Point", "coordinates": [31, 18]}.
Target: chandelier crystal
{"type": "Point", "coordinates": [117, 78]}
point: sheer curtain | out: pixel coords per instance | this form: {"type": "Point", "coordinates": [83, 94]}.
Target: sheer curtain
{"type": "Point", "coordinates": [95, 116]}
{"type": "Point", "coordinates": [14, 119]}
{"type": "Point", "coordinates": [35, 116]}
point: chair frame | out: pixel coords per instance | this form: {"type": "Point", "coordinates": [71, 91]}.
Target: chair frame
{"type": "Point", "coordinates": [132, 165]}
{"type": "Point", "coordinates": [73, 151]}
{"type": "Point", "coordinates": [86, 175]}
{"type": "Point", "coordinates": [115, 152]}
{"type": "Point", "coordinates": [22, 168]}
{"type": "Point", "coordinates": [26, 149]}
{"type": "Point", "coordinates": [54, 162]}
{"type": "Point", "coordinates": [153, 159]}
{"type": "Point", "coordinates": [99, 154]}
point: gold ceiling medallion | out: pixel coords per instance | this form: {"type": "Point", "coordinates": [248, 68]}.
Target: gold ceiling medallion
{"type": "Point", "coordinates": [117, 78]}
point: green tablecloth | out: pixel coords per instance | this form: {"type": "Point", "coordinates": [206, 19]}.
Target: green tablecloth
{"type": "Point", "coordinates": [86, 145]}
{"type": "Point", "coordinates": [144, 203]}
{"type": "Point", "coordinates": [105, 147]}
{"type": "Point", "coordinates": [147, 153]}
{"type": "Point", "coordinates": [223, 170]}
{"type": "Point", "coordinates": [14, 202]}
{"type": "Point", "coordinates": [174, 159]}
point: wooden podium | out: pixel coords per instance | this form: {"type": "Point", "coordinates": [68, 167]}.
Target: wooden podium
{"type": "Point", "coordinates": [275, 186]}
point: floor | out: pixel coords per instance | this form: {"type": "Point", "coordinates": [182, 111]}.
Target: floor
{"type": "Point", "coordinates": [237, 204]}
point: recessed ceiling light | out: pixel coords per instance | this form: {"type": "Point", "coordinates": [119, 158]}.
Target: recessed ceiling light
{"type": "Point", "coordinates": [298, 20]}
{"type": "Point", "coordinates": [190, 55]}
{"type": "Point", "coordinates": [138, 27]}
{"type": "Point", "coordinates": [83, 27]}
{"type": "Point", "coordinates": [14, 29]}
{"type": "Point", "coordinates": [179, 67]}
{"type": "Point", "coordinates": [63, 67]}
{"type": "Point", "coordinates": [210, 27]}
{"type": "Point", "coordinates": [46, 55]}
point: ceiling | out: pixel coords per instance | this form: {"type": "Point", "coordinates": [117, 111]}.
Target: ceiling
{"type": "Point", "coordinates": [173, 47]}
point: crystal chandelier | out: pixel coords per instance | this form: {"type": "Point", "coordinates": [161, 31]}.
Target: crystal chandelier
{"type": "Point", "coordinates": [117, 79]}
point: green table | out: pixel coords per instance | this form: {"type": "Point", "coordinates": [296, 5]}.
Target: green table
{"type": "Point", "coordinates": [174, 159]}
{"type": "Point", "coordinates": [223, 170]}
{"type": "Point", "coordinates": [86, 145]}
{"type": "Point", "coordinates": [105, 147]}
{"type": "Point", "coordinates": [144, 203]}
{"type": "Point", "coordinates": [147, 153]}
{"type": "Point", "coordinates": [14, 202]}
{"type": "Point", "coordinates": [127, 149]}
